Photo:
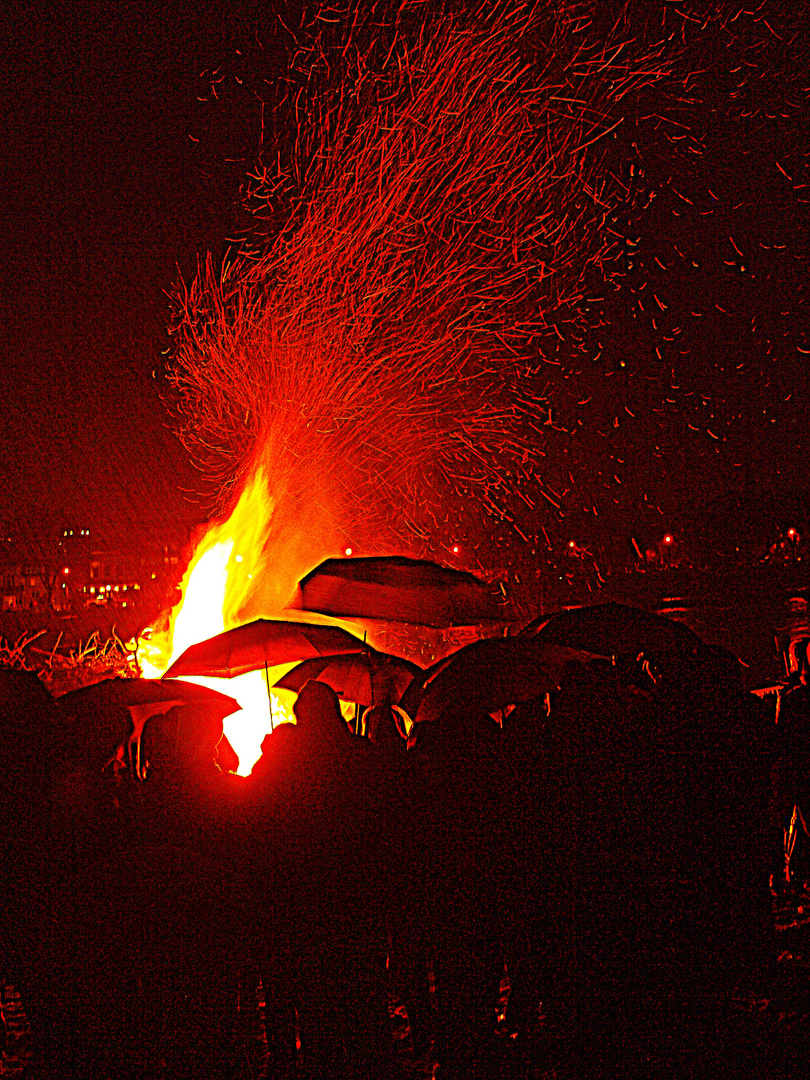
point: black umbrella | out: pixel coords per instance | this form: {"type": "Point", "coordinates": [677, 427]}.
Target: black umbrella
{"type": "Point", "coordinates": [616, 630]}
{"type": "Point", "coordinates": [261, 644]}
{"type": "Point", "coordinates": [397, 589]}
{"type": "Point", "coordinates": [135, 693]}
{"type": "Point", "coordinates": [488, 675]}
{"type": "Point", "coordinates": [353, 676]}
{"type": "Point", "coordinates": [143, 699]}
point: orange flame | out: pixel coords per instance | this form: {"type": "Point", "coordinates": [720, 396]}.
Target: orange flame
{"type": "Point", "coordinates": [216, 590]}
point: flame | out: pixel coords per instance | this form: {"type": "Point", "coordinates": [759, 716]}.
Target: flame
{"type": "Point", "coordinates": [215, 591]}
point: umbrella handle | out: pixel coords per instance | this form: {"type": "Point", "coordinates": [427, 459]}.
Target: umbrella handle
{"type": "Point", "coordinates": [269, 698]}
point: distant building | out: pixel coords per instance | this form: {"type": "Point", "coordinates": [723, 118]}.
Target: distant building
{"type": "Point", "coordinates": [75, 568]}
{"type": "Point", "coordinates": [23, 582]}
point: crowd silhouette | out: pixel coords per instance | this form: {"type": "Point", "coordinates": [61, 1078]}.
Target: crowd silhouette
{"type": "Point", "coordinates": [602, 851]}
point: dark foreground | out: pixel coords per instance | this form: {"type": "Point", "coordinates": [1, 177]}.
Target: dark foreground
{"type": "Point", "coordinates": [580, 891]}
{"type": "Point", "coordinates": [775, 1023]}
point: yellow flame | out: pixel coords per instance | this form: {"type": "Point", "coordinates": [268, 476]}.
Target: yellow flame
{"type": "Point", "coordinates": [214, 591]}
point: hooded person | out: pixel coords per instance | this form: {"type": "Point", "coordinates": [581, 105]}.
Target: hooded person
{"type": "Point", "coordinates": [315, 837]}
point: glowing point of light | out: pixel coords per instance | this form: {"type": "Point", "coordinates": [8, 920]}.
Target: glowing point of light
{"type": "Point", "coordinates": [667, 539]}
{"type": "Point", "coordinates": [791, 534]}
{"type": "Point", "coordinates": [237, 558]}
{"type": "Point", "coordinates": [571, 544]}
{"type": "Point", "coordinates": [67, 570]}
{"type": "Point", "coordinates": [455, 549]}
{"type": "Point", "coordinates": [348, 551]}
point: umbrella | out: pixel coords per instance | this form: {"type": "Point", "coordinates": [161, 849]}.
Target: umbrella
{"type": "Point", "coordinates": [144, 698]}
{"type": "Point", "coordinates": [486, 675]}
{"type": "Point", "coordinates": [353, 676]}
{"type": "Point", "coordinates": [614, 629]}
{"type": "Point", "coordinates": [504, 671]}
{"type": "Point", "coordinates": [144, 693]}
{"type": "Point", "coordinates": [262, 643]}
{"type": "Point", "coordinates": [397, 589]}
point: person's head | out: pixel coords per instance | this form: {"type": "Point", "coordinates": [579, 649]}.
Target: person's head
{"type": "Point", "coordinates": [317, 705]}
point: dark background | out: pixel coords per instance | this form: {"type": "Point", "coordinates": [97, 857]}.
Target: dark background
{"type": "Point", "coordinates": [114, 179]}
{"type": "Point", "coordinates": [126, 136]}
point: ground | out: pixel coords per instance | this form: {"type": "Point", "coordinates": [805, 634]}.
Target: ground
{"type": "Point", "coordinates": [780, 1014]}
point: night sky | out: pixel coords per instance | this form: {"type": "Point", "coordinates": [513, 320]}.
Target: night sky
{"type": "Point", "coordinates": [113, 177]}
{"type": "Point", "coordinates": [126, 137]}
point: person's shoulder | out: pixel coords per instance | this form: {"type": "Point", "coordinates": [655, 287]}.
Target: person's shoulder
{"type": "Point", "coordinates": [282, 734]}
{"type": "Point", "coordinates": [363, 749]}
{"type": "Point", "coordinates": [277, 745]}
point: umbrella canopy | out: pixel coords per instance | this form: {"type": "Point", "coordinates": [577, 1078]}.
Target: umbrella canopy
{"type": "Point", "coordinates": [614, 629]}
{"type": "Point", "coordinates": [353, 676]}
{"type": "Point", "coordinates": [142, 699]}
{"type": "Point", "coordinates": [397, 589]}
{"type": "Point", "coordinates": [486, 675]}
{"type": "Point", "coordinates": [491, 673]}
{"type": "Point", "coordinates": [263, 642]}
{"type": "Point", "coordinates": [139, 693]}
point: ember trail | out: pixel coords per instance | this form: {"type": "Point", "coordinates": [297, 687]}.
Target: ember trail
{"type": "Point", "coordinates": [370, 364]}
